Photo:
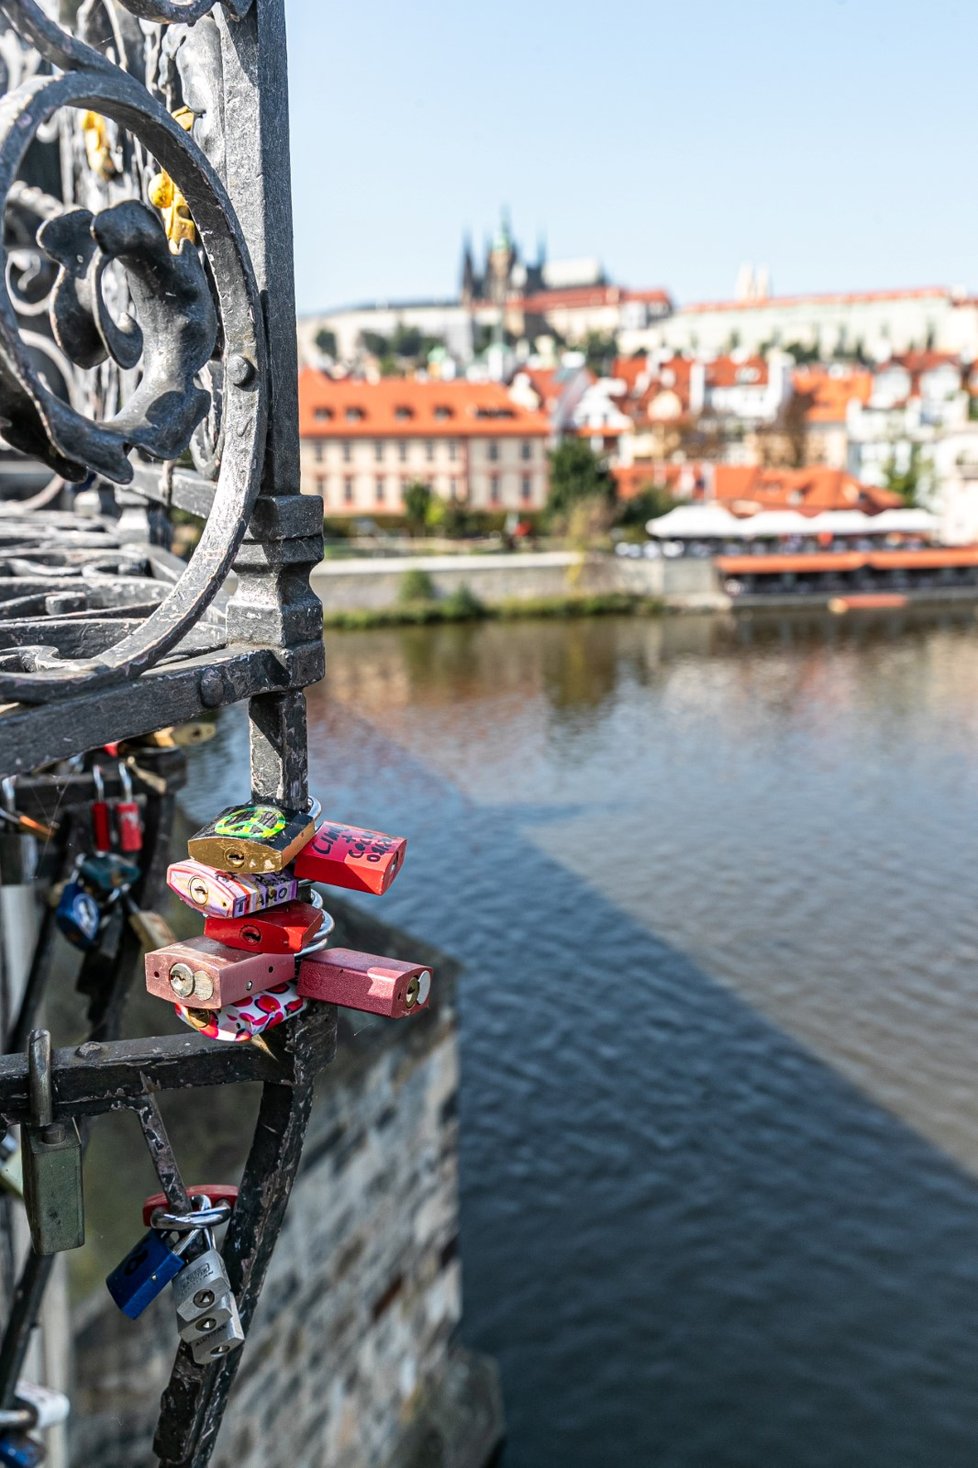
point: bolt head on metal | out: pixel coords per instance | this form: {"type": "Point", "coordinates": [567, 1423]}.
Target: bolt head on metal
{"type": "Point", "coordinates": [182, 980]}
{"type": "Point", "coordinates": [240, 370]}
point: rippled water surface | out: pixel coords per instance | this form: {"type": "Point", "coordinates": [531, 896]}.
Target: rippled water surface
{"type": "Point", "coordinates": [714, 893]}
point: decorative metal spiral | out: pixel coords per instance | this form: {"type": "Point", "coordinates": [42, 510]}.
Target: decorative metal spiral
{"type": "Point", "coordinates": [165, 341]}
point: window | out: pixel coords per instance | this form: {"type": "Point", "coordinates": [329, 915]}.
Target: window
{"type": "Point", "coordinates": [379, 449]}
{"type": "Point", "coordinates": [353, 415]}
{"type": "Point", "coordinates": [322, 415]}
{"type": "Point", "coordinates": [318, 451]}
{"type": "Point", "coordinates": [379, 489]}
{"type": "Point", "coordinates": [526, 489]}
{"type": "Point", "coordinates": [402, 449]}
{"type": "Point", "coordinates": [493, 450]}
{"type": "Point", "coordinates": [403, 414]}
{"type": "Point", "coordinates": [452, 448]}
{"type": "Point", "coordinates": [494, 489]}
{"type": "Point", "coordinates": [346, 450]}
{"type": "Point", "coordinates": [526, 449]}
{"type": "Point", "coordinates": [429, 450]}
{"type": "Point", "coordinates": [321, 486]}
{"type": "Point", "coordinates": [348, 489]}
{"type": "Point", "coordinates": [453, 489]}
{"type": "Point", "coordinates": [442, 412]}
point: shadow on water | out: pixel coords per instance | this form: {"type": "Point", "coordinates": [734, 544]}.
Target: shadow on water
{"type": "Point", "coordinates": [689, 1241]}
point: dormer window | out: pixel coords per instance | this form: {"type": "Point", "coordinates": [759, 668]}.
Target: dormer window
{"type": "Point", "coordinates": [442, 412]}
{"type": "Point", "coordinates": [322, 415]}
{"type": "Point", "coordinates": [354, 415]}
{"type": "Point", "coordinates": [402, 414]}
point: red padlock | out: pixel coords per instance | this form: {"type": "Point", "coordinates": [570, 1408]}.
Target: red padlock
{"type": "Point", "coordinates": [217, 1192]}
{"type": "Point", "coordinates": [101, 819]}
{"type": "Point", "coordinates": [365, 981]}
{"type": "Point", "coordinates": [128, 818]}
{"type": "Point", "coordinates": [205, 975]}
{"type": "Point", "coordinates": [277, 930]}
{"type": "Point", "coordinates": [349, 856]}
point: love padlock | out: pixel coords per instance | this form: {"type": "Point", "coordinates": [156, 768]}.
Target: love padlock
{"type": "Point", "coordinates": [219, 894]}
{"type": "Point", "coordinates": [217, 1193]}
{"type": "Point", "coordinates": [207, 975]}
{"type": "Point", "coordinates": [365, 981]}
{"type": "Point", "coordinates": [238, 1023]}
{"type": "Point", "coordinates": [254, 838]}
{"type": "Point", "coordinates": [351, 857]}
{"type": "Point", "coordinates": [279, 930]}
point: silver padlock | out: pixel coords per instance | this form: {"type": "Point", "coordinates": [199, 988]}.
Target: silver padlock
{"type": "Point", "coordinates": [221, 1342]}
{"type": "Point", "coordinates": [202, 1295]}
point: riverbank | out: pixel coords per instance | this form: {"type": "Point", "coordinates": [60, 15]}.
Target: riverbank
{"type": "Point", "coordinates": [468, 608]}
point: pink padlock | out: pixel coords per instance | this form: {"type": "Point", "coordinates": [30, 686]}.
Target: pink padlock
{"type": "Point", "coordinates": [219, 894]}
{"type": "Point", "coordinates": [365, 981]}
{"type": "Point", "coordinates": [205, 975]}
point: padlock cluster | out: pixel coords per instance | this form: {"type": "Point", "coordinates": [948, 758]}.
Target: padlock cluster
{"type": "Point", "coordinates": [35, 1408]}
{"type": "Point", "coordinates": [170, 1254]}
{"type": "Point", "coordinates": [104, 874]}
{"type": "Point", "coordinates": [263, 954]}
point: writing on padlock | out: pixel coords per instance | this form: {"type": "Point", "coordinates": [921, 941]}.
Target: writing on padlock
{"type": "Point", "coordinates": [279, 930]}
{"type": "Point", "coordinates": [51, 1159]}
{"type": "Point", "coordinates": [351, 857]}
{"type": "Point", "coordinates": [208, 975]}
{"type": "Point", "coordinates": [219, 894]}
{"type": "Point", "coordinates": [253, 838]}
{"type": "Point", "coordinates": [248, 1020]}
{"type": "Point", "coordinates": [365, 981]}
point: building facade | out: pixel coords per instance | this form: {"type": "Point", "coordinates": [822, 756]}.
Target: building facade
{"type": "Point", "coordinates": [473, 444]}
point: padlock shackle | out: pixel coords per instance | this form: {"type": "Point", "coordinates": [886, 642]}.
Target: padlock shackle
{"type": "Point", "coordinates": [166, 1222]}
{"type": "Point", "coordinates": [40, 1084]}
{"type": "Point", "coordinates": [125, 780]}
{"type": "Point", "coordinates": [98, 781]}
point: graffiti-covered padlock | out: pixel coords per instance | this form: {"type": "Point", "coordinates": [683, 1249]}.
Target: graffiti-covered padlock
{"type": "Point", "coordinates": [128, 819]}
{"type": "Point", "coordinates": [254, 838]}
{"type": "Point", "coordinates": [218, 894]}
{"type": "Point", "coordinates": [207, 975]}
{"type": "Point", "coordinates": [365, 981]}
{"type": "Point", "coordinates": [279, 930]}
{"type": "Point", "coordinates": [52, 1161]}
{"type": "Point", "coordinates": [352, 857]}
{"type": "Point", "coordinates": [77, 915]}
{"type": "Point", "coordinates": [146, 1271]}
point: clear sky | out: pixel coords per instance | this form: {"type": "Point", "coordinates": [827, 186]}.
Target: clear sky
{"type": "Point", "coordinates": [830, 139]}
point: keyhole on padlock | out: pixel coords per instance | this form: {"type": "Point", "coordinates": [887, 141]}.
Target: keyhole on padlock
{"type": "Point", "coordinates": [252, 935]}
{"type": "Point", "coordinates": [411, 992]}
{"type": "Point", "coordinates": [204, 1299]}
{"type": "Point", "coordinates": [234, 858]}
{"type": "Point", "coordinates": [198, 891]}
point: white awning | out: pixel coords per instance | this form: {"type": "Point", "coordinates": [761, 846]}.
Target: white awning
{"type": "Point", "coordinates": [713, 522]}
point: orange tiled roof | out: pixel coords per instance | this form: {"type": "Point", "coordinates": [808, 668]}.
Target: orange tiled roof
{"type": "Point", "coordinates": [407, 407]}
{"type": "Point", "coordinates": [744, 489]}
{"type": "Point", "coordinates": [589, 296]}
{"type": "Point", "coordinates": [831, 394]}
{"type": "Point", "coordinates": [731, 372]}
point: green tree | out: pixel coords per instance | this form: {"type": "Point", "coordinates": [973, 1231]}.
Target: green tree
{"type": "Point", "coordinates": [577, 473]}
{"type": "Point", "coordinates": [911, 482]}
{"type": "Point", "coordinates": [600, 350]}
{"type": "Point", "coordinates": [417, 503]}
{"type": "Point", "coordinates": [374, 343]}
{"type": "Point", "coordinates": [326, 342]}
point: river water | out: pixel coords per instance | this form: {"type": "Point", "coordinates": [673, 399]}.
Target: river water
{"type": "Point", "coordinates": [713, 888]}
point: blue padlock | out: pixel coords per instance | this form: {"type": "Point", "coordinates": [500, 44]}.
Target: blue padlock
{"type": "Point", "coordinates": [78, 915]}
{"type": "Point", "coordinates": [146, 1271]}
{"type": "Point", "coordinates": [20, 1451]}
{"type": "Point", "coordinates": [107, 871]}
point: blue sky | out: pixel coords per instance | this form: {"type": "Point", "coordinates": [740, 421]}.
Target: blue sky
{"type": "Point", "coordinates": [833, 140]}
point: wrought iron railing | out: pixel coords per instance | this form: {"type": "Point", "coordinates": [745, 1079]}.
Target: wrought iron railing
{"type": "Point", "coordinates": [147, 346]}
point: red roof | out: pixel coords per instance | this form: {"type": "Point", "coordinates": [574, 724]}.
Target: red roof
{"type": "Point", "coordinates": [579, 297]}
{"type": "Point", "coordinates": [746, 488]}
{"type": "Point", "coordinates": [408, 407]}
{"type": "Point", "coordinates": [737, 372]}
{"type": "Point", "coordinates": [831, 393]}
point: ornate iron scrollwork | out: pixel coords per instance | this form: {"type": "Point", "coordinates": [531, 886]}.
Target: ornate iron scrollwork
{"type": "Point", "coordinates": [183, 329]}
